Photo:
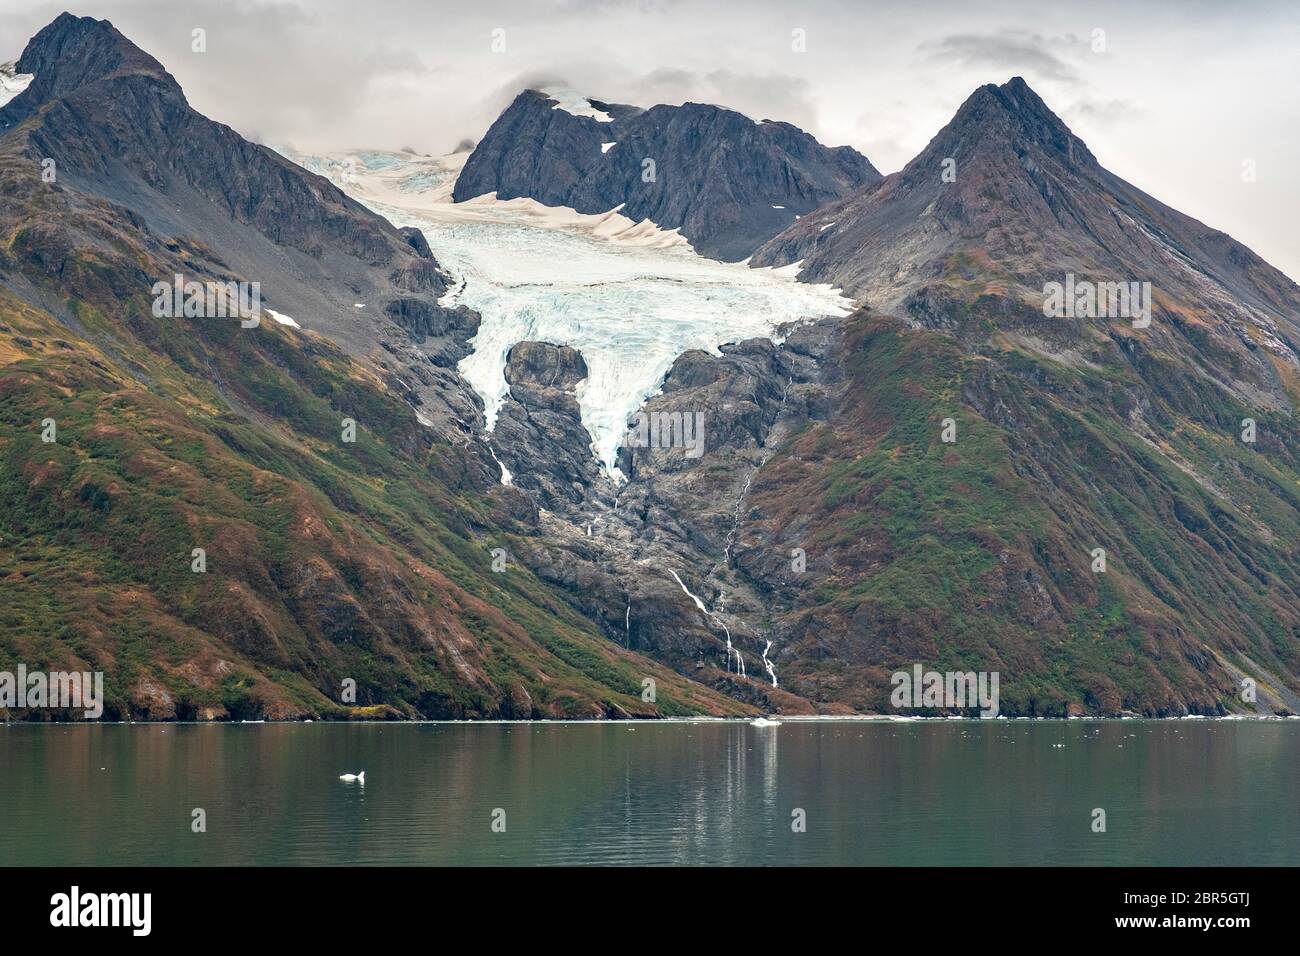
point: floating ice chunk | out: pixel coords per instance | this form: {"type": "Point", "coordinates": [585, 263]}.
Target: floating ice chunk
{"type": "Point", "coordinates": [606, 147]}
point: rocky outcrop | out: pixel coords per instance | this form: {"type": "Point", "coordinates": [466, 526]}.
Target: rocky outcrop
{"type": "Point", "coordinates": [628, 556]}
{"type": "Point", "coordinates": [726, 182]}
{"type": "Point", "coordinates": [539, 433]}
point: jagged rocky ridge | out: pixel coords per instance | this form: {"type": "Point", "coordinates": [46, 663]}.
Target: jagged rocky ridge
{"type": "Point", "coordinates": [1027, 203]}
{"type": "Point", "coordinates": [726, 182]}
{"type": "Point", "coordinates": [119, 130]}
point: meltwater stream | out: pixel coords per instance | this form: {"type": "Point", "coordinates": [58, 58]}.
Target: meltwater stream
{"type": "Point", "coordinates": [740, 660]}
{"type": "Point", "coordinates": [873, 792]}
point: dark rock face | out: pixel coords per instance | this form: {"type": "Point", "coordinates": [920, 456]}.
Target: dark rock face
{"type": "Point", "coordinates": [614, 550]}
{"type": "Point", "coordinates": [726, 182]}
{"type": "Point", "coordinates": [539, 433]}
{"type": "Point", "coordinates": [624, 554]}
{"type": "Point", "coordinates": [120, 130]}
{"type": "Point", "coordinates": [73, 52]}
{"type": "Point", "coordinates": [533, 150]}
{"type": "Point", "coordinates": [443, 334]}
{"type": "Point", "coordinates": [541, 369]}
{"type": "Point", "coordinates": [415, 239]}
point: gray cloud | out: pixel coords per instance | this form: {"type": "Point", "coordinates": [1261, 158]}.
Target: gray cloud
{"type": "Point", "coordinates": [1009, 51]}
{"type": "Point", "coordinates": [777, 96]}
{"type": "Point", "coordinates": [1104, 113]}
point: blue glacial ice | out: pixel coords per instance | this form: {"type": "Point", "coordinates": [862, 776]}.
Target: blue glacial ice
{"type": "Point", "coordinates": [629, 296]}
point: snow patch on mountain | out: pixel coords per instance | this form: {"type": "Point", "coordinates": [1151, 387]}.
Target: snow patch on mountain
{"type": "Point", "coordinates": [12, 82]}
{"type": "Point", "coordinates": [281, 318]}
{"type": "Point", "coordinates": [630, 296]}
{"type": "Point", "coordinates": [574, 102]}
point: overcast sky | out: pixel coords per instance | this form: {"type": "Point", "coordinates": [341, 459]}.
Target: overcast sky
{"type": "Point", "coordinates": [1182, 94]}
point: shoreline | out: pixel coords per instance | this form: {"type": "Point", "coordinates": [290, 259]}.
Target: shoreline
{"type": "Point", "coordinates": [657, 721]}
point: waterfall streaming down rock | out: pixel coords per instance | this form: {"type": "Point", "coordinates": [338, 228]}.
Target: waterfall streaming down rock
{"type": "Point", "coordinates": [740, 660]}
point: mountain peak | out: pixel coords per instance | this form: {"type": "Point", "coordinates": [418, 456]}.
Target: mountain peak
{"type": "Point", "coordinates": [727, 183]}
{"type": "Point", "coordinates": [1020, 98]}
{"type": "Point", "coordinates": [73, 52]}
{"type": "Point", "coordinates": [1012, 113]}
{"type": "Point", "coordinates": [1005, 190]}
{"type": "Point", "coordinates": [1017, 87]}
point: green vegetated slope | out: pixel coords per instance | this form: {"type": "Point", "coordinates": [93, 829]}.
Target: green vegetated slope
{"type": "Point", "coordinates": [1073, 434]}
{"type": "Point", "coordinates": [325, 560]}
{"type": "Point", "coordinates": [977, 554]}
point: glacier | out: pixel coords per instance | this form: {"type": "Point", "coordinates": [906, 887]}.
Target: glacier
{"type": "Point", "coordinates": [631, 297]}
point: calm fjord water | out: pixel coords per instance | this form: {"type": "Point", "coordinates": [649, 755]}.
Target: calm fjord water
{"type": "Point", "coordinates": [929, 793]}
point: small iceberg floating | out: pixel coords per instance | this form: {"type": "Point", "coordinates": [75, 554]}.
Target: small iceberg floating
{"type": "Point", "coordinates": [357, 777]}
{"type": "Point", "coordinates": [764, 722]}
